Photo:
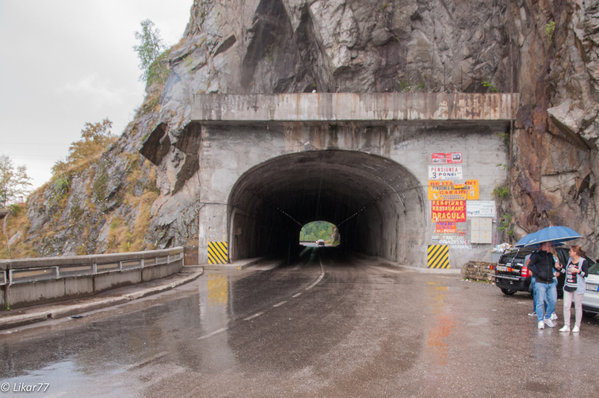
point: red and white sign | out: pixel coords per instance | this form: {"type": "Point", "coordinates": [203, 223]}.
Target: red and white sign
{"type": "Point", "coordinates": [448, 210]}
{"type": "Point", "coordinates": [444, 172]}
{"type": "Point", "coordinates": [444, 158]}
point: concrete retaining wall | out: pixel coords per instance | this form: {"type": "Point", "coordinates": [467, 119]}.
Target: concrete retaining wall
{"type": "Point", "coordinates": [124, 269]}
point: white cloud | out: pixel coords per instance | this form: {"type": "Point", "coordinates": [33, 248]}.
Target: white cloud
{"type": "Point", "coordinates": [90, 84]}
{"type": "Point", "coordinates": [68, 62]}
{"type": "Point", "coordinates": [94, 87]}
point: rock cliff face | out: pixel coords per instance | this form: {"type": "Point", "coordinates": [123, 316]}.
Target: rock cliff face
{"type": "Point", "coordinates": [554, 146]}
{"type": "Point", "coordinates": [545, 50]}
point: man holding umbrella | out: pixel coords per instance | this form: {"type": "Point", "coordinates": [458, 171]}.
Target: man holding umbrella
{"type": "Point", "coordinates": [542, 266]}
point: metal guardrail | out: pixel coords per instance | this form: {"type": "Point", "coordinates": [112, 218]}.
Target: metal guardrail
{"type": "Point", "coordinates": [52, 268]}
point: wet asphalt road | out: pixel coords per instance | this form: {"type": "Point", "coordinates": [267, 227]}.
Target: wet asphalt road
{"type": "Point", "coordinates": [328, 327]}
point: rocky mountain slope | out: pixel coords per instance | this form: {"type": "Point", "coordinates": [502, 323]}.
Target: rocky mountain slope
{"type": "Point", "coordinates": [545, 50]}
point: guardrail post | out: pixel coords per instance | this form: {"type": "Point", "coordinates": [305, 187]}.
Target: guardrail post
{"type": "Point", "coordinates": [6, 297]}
{"type": "Point", "coordinates": [57, 270]}
{"type": "Point", "coordinates": [121, 266]}
{"type": "Point", "coordinates": [141, 263]}
{"type": "Point", "coordinates": [94, 268]}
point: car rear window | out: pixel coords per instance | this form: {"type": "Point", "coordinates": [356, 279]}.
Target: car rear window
{"type": "Point", "coordinates": [507, 258]}
{"type": "Point", "coordinates": [516, 256]}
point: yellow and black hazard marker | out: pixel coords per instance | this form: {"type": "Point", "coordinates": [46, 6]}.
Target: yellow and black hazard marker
{"type": "Point", "coordinates": [218, 253]}
{"type": "Point", "coordinates": [438, 256]}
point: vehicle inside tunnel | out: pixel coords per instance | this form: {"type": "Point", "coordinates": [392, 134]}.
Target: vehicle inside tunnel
{"type": "Point", "coordinates": [376, 204]}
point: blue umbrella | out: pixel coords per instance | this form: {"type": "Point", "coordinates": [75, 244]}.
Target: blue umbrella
{"type": "Point", "coordinates": [557, 235]}
{"type": "Point", "coordinates": [526, 239]}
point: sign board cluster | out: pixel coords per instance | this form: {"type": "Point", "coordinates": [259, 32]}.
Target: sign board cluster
{"type": "Point", "coordinates": [458, 216]}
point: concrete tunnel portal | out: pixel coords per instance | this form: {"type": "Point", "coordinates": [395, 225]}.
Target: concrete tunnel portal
{"type": "Point", "coordinates": [267, 164]}
{"type": "Point", "coordinates": [377, 204]}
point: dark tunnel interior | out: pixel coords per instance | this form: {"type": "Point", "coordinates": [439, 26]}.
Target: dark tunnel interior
{"type": "Point", "coordinates": [375, 202]}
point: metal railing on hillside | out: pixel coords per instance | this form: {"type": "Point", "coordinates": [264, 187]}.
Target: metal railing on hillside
{"type": "Point", "coordinates": [52, 268]}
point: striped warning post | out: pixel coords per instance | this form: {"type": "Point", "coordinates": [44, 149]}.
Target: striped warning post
{"type": "Point", "coordinates": [218, 253]}
{"type": "Point", "coordinates": [438, 256]}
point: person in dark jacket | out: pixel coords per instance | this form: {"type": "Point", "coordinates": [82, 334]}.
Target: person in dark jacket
{"type": "Point", "coordinates": [532, 287]}
{"type": "Point", "coordinates": [542, 266]}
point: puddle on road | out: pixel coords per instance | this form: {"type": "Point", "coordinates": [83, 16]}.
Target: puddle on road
{"type": "Point", "coordinates": [79, 358]}
{"type": "Point", "coordinates": [163, 331]}
{"type": "Point", "coordinates": [443, 322]}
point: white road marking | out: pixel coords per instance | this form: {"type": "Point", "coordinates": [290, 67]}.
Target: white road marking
{"type": "Point", "coordinates": [213, 333]}
{"type": "Point", "coordinates": [147, 361]}
{"type": "Point", "coordinates": [319, 277]}
{"type": "Point", "coordinates": [256, 315]}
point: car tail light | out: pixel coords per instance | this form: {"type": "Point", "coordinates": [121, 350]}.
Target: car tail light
{"type": "Point", "coordinates": [524, 272]}
{"type": "Point", "coordinates": [492, 267]}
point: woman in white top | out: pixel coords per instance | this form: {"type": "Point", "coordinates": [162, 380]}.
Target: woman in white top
{"type": "Point", "coordinates": [574, 286]}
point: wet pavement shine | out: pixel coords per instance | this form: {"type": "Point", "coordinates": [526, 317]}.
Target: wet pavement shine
{"type": "Point", "coordinates": [330, 327]}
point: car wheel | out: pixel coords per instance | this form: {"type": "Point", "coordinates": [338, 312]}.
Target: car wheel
{"type": "Point", "coordinates": [508, 292]}
{"type": "Point", "coordinates": [588, 314]}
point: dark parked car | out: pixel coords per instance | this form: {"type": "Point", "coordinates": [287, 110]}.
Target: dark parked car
{"type": "Point", "coordinates": [512, 275]}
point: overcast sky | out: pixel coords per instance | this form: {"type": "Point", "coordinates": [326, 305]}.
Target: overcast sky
{"type": "Point", "coordinates": [68, 62]}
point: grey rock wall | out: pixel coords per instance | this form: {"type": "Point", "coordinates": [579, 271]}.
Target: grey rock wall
{"type": "Point", "coordinates": [274, 46]}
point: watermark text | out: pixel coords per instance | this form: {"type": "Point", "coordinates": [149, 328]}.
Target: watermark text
{"type": "Point", "coordinates": [24, 387]}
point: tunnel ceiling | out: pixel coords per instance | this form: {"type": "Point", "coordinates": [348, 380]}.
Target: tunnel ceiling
{"type": "Point", "coordinates": [330, 185]}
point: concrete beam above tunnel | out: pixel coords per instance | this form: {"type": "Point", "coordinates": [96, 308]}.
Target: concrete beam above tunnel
{"type": "Point", "coordinates": [328, 107]}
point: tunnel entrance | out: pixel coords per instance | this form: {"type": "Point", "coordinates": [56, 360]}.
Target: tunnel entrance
{"type": "Point", "coordinates": [321, 233]}
{"type": "Point", "coordinates": [376, 203]}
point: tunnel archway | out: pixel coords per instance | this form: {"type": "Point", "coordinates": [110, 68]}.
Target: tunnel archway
{"type": "Point", "coordinates": [376, 203]}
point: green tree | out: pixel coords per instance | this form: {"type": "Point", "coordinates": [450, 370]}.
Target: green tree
{"type": "Point", "coordinates": [316, 230]}
{"type": "Point", "coordinates": [150, 47]}
{"type": "Point", "coordinates": [95, 137]}
{"type": "Point", "coordinates": [14, 182]}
